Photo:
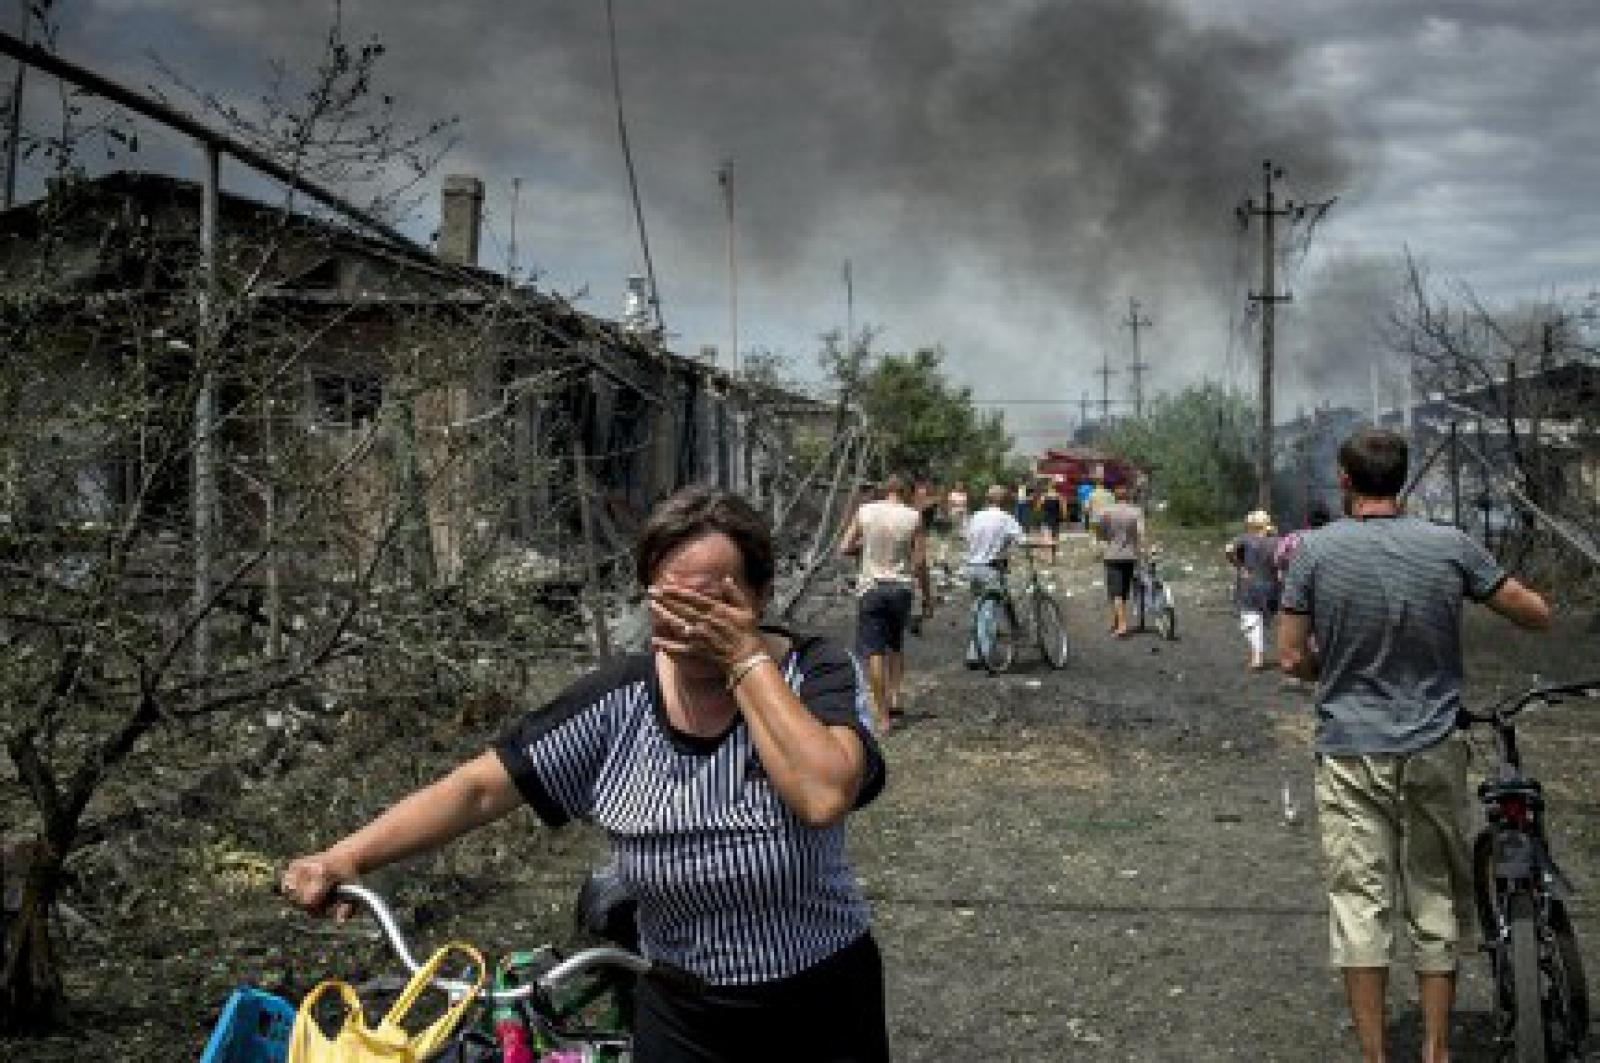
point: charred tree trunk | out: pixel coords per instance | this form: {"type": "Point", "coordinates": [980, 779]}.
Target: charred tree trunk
{"type": "Point", "coordinates": [31, 994]}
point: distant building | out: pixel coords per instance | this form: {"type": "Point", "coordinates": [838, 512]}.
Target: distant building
{"type": "Point", "coordinates": [1536, 429]}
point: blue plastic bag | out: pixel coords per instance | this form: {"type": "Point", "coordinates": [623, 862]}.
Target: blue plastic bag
{"type": "Point", "coordinates": [254, 1028]}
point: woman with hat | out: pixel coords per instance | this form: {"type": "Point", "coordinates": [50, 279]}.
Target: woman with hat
{"type": "Point", "coordinates": [1251, 554]}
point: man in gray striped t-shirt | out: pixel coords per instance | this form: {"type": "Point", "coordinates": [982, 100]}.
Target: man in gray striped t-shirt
{"type": "Point", "coordinates": [1382, 593]}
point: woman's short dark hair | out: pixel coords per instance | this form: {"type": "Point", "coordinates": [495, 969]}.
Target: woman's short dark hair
{"type": "Point", "coordinates": [696, 511]}
{"type": "Point", "coordinates": [1375, 460]}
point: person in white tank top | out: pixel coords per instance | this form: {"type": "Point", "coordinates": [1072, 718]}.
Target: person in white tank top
{"type": "Point", "coordinates": [888, 536]}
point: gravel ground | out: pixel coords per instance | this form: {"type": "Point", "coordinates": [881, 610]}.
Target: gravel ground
{"type": "Point", "coordinates": [1099, 863]}
{"type": "Point", "coordinates": [1086, 864]}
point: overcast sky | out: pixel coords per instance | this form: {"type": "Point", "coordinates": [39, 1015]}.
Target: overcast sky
{"type": "Point", "coordinates": [1003, 174]}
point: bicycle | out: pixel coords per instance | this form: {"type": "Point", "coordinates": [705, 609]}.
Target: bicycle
{"type": "Point", "coordinates": [554, 1002]}
{"type": "Point", "coordinates": [1541, 994]}
{"type": "Point", "coordinates": [1000, 619]}
{"type": "Point", "coordinates": [1151, 597]}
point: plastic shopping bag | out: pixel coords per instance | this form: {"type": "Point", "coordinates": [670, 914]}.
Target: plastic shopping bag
{"type": "Point", "coordinates": [388, 1042]}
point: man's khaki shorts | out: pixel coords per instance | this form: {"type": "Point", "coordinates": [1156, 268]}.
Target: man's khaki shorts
{"type": "Point", "coordinates": [1392, 831]}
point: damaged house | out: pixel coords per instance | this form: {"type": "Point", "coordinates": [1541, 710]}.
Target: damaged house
{"type": "Point", "coordinates": [507, 419]}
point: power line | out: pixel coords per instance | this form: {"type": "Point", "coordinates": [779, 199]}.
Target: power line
{"type": "Point", "coordinates": [633, 178]}
{"type": "Point", "coordinates": [1235, 326]}
{"type": "Point", "coordinates": [1024, 402]}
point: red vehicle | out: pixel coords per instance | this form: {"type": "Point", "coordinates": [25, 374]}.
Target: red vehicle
{"type": "Point", "coordinates": [1071, 466]}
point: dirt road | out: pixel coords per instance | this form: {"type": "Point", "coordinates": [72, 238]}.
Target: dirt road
{"type": "Point", "coordinates": [1087, 864]}
{"type": "Point", "coordinates": [1096, 863]}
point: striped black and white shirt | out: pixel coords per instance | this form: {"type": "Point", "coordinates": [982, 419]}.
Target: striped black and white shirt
{"type": "Point", "coordinates": [731, 885]}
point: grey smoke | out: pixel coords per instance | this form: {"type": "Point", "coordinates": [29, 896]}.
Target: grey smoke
{"type": "Point", "coordinates": [1004, 174]}
{"type": "Point", "coordinates": [1341, 326]}
{"type": "Point", "coordinates": [1078, 147]}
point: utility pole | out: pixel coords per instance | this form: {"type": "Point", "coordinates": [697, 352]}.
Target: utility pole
{"type": "Point", "coordinates": [725, 179]}
{"type": "Point", "coordinates": [1105, 373]}
{"type": "Point", "coordinates": [849, 310]}
{"type": "Point", "coordinates": [1135, 323]}
{"type": "Point", "coordinates": [1269, 297]}
{"type": "Point", "coordinates": [204, 490]}
{"type": "Point", "coordinates": [511, 248]}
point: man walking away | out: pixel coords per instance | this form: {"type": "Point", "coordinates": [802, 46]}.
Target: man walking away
{"type": "Point", "coordinates": [1051, 510]}
{"type": "Point", "coordinates": [889, 536]}
{"type": "Point", "coordinates": [1120, 528]}
{"type": "Point", "coordinates": [990, 535]}
{"type": "Point", "coordinates": [1083, 516]}
{"type": "Point", "coordinates": [1382, 595]}
{"type": "Point", "coordinates": [1100, 499]}
{"type": "Point", "coordinates": [956, 514]}
{"type": "Point", "coordinates": [1253, 554]}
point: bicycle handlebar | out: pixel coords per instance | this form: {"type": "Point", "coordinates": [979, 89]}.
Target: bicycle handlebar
{"type": "Point", "coordinates": [571, 967]}
{"type": "Point", "coordinates": [1551, 693]}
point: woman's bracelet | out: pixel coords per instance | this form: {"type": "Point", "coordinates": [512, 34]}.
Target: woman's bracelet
{"type": "Point", "coordinates": [737, 673]}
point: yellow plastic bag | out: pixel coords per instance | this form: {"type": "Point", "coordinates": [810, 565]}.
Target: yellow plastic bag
{"type": "Point", "coordinates": [388, 1042]}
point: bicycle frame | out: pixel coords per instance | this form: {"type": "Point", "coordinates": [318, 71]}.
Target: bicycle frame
{"type": "Point", "coordinates": [1513, 802]}
{"type": "Point", "coordinates": [572, 967]}
{"type": "Point", "coordinates": [1030, 612]}
{"type": "Point", "coordinates": [1148, 585]}
{"type": "Point", "coordinates": [1541, 996]}
{"type": "Point", "coordinates": [1149, 597]}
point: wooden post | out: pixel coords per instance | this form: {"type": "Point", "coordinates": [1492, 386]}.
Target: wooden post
{"type": "Point", "coordinates": [591, 574]}
{"type": "Point", "coordinates": [1455, 473]}
{"type": "Point", "coordinates": [204, 488]}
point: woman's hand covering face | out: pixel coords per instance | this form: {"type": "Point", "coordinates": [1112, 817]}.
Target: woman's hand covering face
{"type": "Point", "coordinates": [718, 623]}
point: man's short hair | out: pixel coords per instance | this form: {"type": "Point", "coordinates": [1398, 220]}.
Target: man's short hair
{"type": "Point", "coordinates": [1121, 491]}
{"type": "Point", "coordinates": [1375, 460]}
{"type": "Point", "coordinates": [894, 485]}
{"type": "Point", "coordinates": [996, 495]}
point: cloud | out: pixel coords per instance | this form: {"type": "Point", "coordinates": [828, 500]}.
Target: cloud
{"type": "Point", "coordinates": [1004, 175]}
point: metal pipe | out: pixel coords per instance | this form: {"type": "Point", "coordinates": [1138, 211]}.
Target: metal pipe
{"type": "Point", "coordinates": [54, 65]}
{"type": "Point", "coordinates": [14, 117]}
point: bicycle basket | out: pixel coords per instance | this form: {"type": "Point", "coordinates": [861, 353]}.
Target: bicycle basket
{"type": "Point", "coordinates": [254, 1028]}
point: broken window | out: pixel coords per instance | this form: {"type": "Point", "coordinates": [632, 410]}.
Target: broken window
{"type": "Point", "coordinates": [348, 399]}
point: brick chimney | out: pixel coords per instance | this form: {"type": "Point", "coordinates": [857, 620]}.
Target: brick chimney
{"type": "Point", "coordinates": [460, 219]}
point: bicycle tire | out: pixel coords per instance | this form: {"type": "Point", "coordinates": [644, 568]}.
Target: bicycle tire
{"type": "Point", "coordinates": [1572, 985]}
{"type": "Point", "coordinates": [993, 633]}
{"type": "Point", "coordinates": [1483, 892]}
{"type": "Point", "coordinates": [1167, 619]}
{"type": "Point", "coordinates": [1527, 990]}
{"type": "Point", "coordinates": [1051, 630]}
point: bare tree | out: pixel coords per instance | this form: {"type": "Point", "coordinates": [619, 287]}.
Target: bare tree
{"type": "Point", "coordinates": [1500, 374]}
{"type": "Point", "coordinates": [346, 432]}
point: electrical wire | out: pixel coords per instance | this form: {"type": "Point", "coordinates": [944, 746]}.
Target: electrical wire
{"type": "Point", "coordinates": [633, 178]}
{"type": "Point", "coordinates": [1235, 298]}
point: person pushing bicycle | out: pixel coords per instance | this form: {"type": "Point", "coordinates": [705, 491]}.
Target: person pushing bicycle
{"type": "Point", "coordinates": [991, 532]}
{"type": "Point", "coordinates": [722, 766]}
{"type": "Point", "coordinates": [1382, 593]}
{"type": "Point", "coordinates": [1120, 529]}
